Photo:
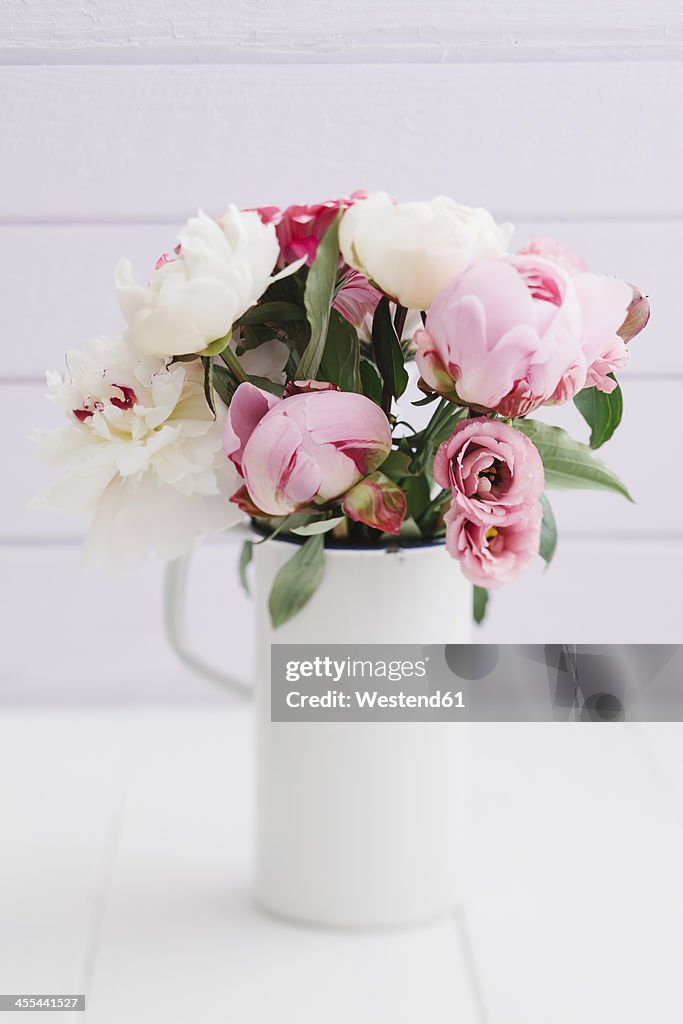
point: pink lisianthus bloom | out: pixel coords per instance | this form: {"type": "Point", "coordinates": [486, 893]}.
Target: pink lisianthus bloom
{"type": "Point", "coordinates": [300, 228]}
{"type": "Point", "coordinates": [304, 450]}
{"type": "Point", "coordinates": [502, 335]}
{"type": "Point", "coordinates": [492, 555]}
{"type": "Point", "coordinates": [612, 312]}
{"type": "Point", "coordinates": [493, 471]}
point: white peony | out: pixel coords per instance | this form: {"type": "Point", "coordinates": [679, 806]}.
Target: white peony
{"type": "Point", "coordinates": [268, 360]}
{"type": "Point", "coordinates": [196, 293]}
{"type": "Point", "coordinates": [412, 250]}
{"type": "Point", "coordinates": [144, 451]}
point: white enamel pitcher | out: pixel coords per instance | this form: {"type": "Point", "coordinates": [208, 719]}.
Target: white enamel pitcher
{"type": "Point", "coordinates": [357, 824]}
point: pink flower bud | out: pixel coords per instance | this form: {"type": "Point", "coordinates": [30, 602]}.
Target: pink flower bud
{"type": "Point", "coordinates": [637, 316]}
{"type": "Point", "coordinates": [378, 502]}
{"type": "Point", "coordinates": [308, 449]}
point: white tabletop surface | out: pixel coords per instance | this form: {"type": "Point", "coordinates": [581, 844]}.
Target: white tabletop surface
{"type": "Point", "coordinates": [124, 874]}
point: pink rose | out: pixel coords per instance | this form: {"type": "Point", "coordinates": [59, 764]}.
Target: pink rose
{"type": "Point", "coordinates": [307, 449]}
{"type": "Point", "coordinates": [502, 334]}
{"type": "Point", "coordinates": [300, 228]}
{"type": "Point", "coordinates": [612, 313]}
{"type": "Point", "coordinates": [493, 470]}
{"type": "Point", "coordinates": [492, 555]}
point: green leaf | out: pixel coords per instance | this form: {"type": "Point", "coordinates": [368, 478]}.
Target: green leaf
{"type": "Point", "coordinates": [371, 381]}
{"type": "Point", "coordinates": [430, 522]}
{"type": "Point", "coordinates": [287, 524]}
{"type": "Point", "coordinates": [568, 463]}
{"type": "Point", "coordinates": [318, 526]}
{"type": "Point", "coordinates": [297, 581]}
{"type": "Point", "coordinates": [410, 531]}
{"type": "Point", "coordinates": [245, 559]}
{"type": "Point", "coordinates": [428, 399]}
{"type": "Point", "coordinates": [548, 532]}
{"type": "Point", "coordinates": [418, 495]}
{"type": "Point", "coordinates": [267, 385]}
{"type": "Point", "coordinates": [480, 599]}
{"type": "Point", "coordinates": [602, 412]}
{"type": "Point", "coordinates": [387, 350]}
{"type": "Point", "coordinates": [217, 346]}
{"type": "Point", "coordinates": [318, 300]}
{"type": "Point", "coordinates": [341, 358]}
{"type": "Point", "coordinates": [273, 313]}
{"type": "Point", "coordinates": [207, 363]}
{"type": "Point", "coordinates": [448, 425]}
{"type": "Point", "coordinates": [397, 465]}
{"type": "Point", "coordinates": [224, 383]}
{"type": "Point", "coordinates": [190, 358]}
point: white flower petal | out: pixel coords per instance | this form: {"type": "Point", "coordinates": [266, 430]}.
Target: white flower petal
{"type": "Point", "coordinates": [221, 269]}
{"type": "Point", "coordinates": [149, 466]}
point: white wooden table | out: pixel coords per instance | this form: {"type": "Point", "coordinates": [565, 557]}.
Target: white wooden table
{"type": "Point", "coordinates": [124, 865]}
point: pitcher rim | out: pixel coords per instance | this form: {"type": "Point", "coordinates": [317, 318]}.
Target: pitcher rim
{"type": "Point", "coordinates": [340, 548]}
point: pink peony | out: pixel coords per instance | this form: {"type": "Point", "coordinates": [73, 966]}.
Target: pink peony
{"type": "Point", "coordinates": [492, 555]}
{"type": "Point", "coordinates": [502, 334]}
{"type": "Point", "coordinates": [525, 330]}
{"type": "Point", "coordinates": [356, 299]}
{"type": "Point", "coordinates": [551, 249]}
{"type": "Point", "coordinates": [493, 470]}
{"type": "Point", "coordinates": [300, 228]}
{"type": "Point", "coordinates": [612, 313]}
{"type": "Point", "coordinates": [604, 305]}
{"type": "Point", "coordinates": [307, 449]}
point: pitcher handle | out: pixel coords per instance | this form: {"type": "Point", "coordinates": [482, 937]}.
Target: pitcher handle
{"type": "Point", "coordinates": [175, 623]}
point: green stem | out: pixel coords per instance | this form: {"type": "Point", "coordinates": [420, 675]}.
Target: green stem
{"type": "Point", "coordinates": [234, 365]}
{"type": "Point", "coordinates": [440, 417]}
{"type": "Point", "coordinates": [442, 414]}
{"type": "Point", "coordinates": [400, 321]}
{"type": "Point", "coordinates": [424, 443]}
{"type": "Point", "coordinates": [387, 399]}
{"type": "Point", "coordinates": [433, 507]}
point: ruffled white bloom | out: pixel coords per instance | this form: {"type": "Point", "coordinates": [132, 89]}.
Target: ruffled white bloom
{"type": "Point", "coordinates": [196, 293]}
{"type": "Point", "coordinates": [412, 250]}
{"type": "Point", "coordinates": [144, 453]}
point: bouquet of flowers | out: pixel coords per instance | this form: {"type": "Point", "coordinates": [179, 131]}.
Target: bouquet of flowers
{"type": "Point", "coordinates": [264, 369]}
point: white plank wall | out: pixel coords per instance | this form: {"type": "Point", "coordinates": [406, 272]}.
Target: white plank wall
{"type": "Point", "coordinates": [595, 140]}
{"type": "Point", "coordinates": [119, 121]}
{"type": "Point", "coordinates": [172, 31]}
